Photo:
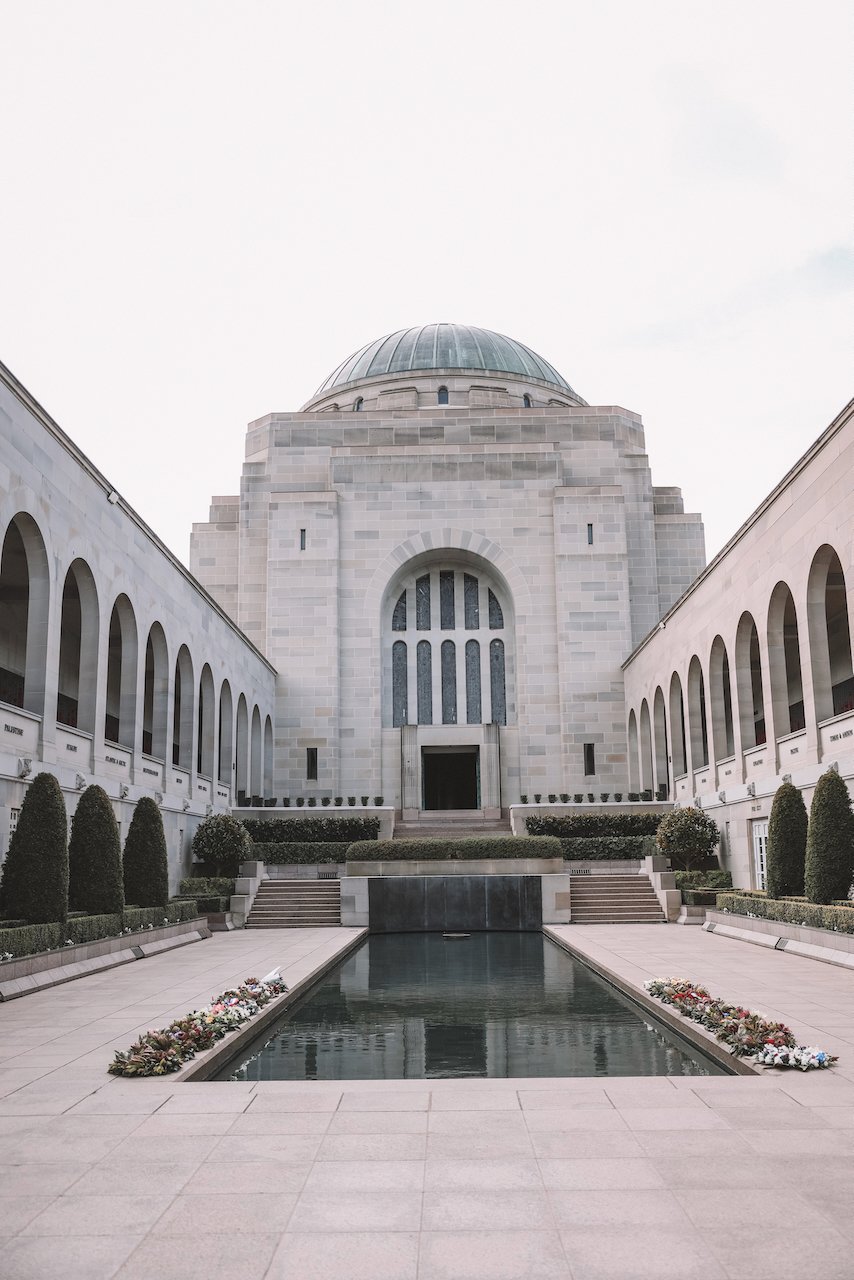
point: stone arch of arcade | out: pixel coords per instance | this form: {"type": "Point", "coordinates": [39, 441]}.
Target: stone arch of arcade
{"type": "Point", "coordinates": [769, 686]}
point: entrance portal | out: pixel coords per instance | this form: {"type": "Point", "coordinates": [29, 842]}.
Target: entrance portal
{"type": "Point", "coordinates": [451, 777]}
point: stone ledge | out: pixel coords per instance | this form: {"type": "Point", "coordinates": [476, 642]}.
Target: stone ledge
{"type": "Point", "coordinates": [50, 968]}
{"type": "Point", "coordinates": [458, 867]}
{"type": "Point", "coordinates": [799, 940]}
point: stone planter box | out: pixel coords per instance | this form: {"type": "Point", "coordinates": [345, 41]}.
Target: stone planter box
{"type": "Point", "coordinates": [49, 968]}
{"type": "Point", "coordinates": [459, 867]}
{"type": "Point", "coordinates": [802, 940]}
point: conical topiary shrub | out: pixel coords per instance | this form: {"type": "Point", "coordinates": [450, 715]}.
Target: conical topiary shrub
{"type": "Point", "coordinates": [94, 857]}
{"type": "Point", "coordinates": [830, 841]}
{"type": "Point", "coordinates": [787, 843]}
{"type": "Point", "coordinates": [35, 874]}
{"type": "Point", "coordinates": [145, 864]}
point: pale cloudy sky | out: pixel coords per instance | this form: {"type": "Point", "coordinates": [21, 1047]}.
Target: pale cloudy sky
{"type": "Point", "coordinates": [205, 206]}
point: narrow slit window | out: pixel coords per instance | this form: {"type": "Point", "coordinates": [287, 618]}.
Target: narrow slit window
{"type": "Point", "coordinates": [449, 682]}
{"type": "Point", "coordinates": [527, 402]}
{"type": "Point", "coordinates": [446, 600]}
{"type": "Point", "coordinates": [422, 603]}
{"type": "Point", "coordinates": [497, 682]}
{"type": "Point", "coordinates": [442, 397]}
{"type": "Point", "coordinates": [589, 759]}
{"type": "Point", "coordinates": [311, 764]}
{"type": "Point", "coordinates": [473, 712]}
{"type": "Point", "coordinates": [590, 535]}
{"type": "Point", "coordinates": [496, 617]}
{"type": "Point", "coordinates": [424, 681]}
{"type": "Point", "coordinates": [471, 602]}
{"type": "Point", "coordinates": [399, 684]}
{"type": "Point", "coordinates": [302, 539]}
{"type": "Point", "coordinates": [398, 618]}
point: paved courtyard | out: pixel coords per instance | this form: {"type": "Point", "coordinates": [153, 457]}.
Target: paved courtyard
{"type": "Point", "coordinates": [600, 1179]}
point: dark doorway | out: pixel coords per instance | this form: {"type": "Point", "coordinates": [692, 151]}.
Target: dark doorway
{"type": "Point", "coordinates": [450, 778]}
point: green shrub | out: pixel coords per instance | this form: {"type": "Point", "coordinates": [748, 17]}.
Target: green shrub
{"type": "Point", "coordinates": [297, 853]}
{"type": "Point", "coordinates": [93, 928]}
{"type": "Point", "coordinates": [207, 886]}
{"type": "Point", "coordinates": [835, 917]}
{"type": "Point", "coordinates": [619, 848]}
{"type": "Point", "coordinates": [207, 903]}
{"type": "Point", "coordinates": [468, 847]}
{"type": "Point", "coordinates": [703, 880]}
{"type": "Point", "coordinates": [35, 873]}
{"type": "Point", "coordinates": [830, 841]}
{"type": "Point", "coordinates": [173, 913]}
{"type": "Point", "coordinates": [221, 842]}
{"type": "Point", "coordinates": [570, 825]}
{"type": "Point", "coordinates": [686, 836]}
{"type": "Point", "coordinates": [313, 830]}
{"type": "Point", "coordinates": [787, 842]}
{"type": "Point", "coordinates": [145, 863]}
{"type": "Point", "coordinates": [29, 939]}
{"type": "Point", "coordinates": [94, 856]}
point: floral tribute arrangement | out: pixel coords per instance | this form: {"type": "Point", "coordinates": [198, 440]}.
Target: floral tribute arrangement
{"type": "Point", "coordinates": [745, 1034]}
{"type": "Point", "coordinates": [156, 1053]}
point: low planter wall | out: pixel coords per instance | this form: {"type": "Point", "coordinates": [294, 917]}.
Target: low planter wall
{"type": "Point", "coordinates": [803, 940]}
{"type": "Point", "coordinates": [519, 812]}
{"type": "Point", "coordinates": [463, 867]}
{"type": "Point", "coordinates": [21, 976]}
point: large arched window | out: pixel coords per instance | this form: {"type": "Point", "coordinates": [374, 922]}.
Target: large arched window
{"type": "Point", "coordinates": [646, 747]}
{"type": "Point", "coordinates": [268, 758]}
{"type": "Point", "coordinates": [226, 734]}
{"type": "Point", "coordinates": [748, 677]}
{"type": "Point", "coordinates": [721, 698]}
{"type": "Point", "coordinates": [454, 667]}
{"type": "Point", "coordinates": [205, 742]}
{"type": "Point", "coordinates": [830, 637]}
{"type": "Point", "coordinates": [155, 702]}
{"type": "Point", "coordinates": [697, 715]}
{"type": "Point", "coordinates": [660, 742]}
{"type": "Point", "coordinates": [634, 762]}
{"type": "Point", "coordinates": [120, 715]}
{"type": "Point", "coordinates": [241, 755]}
{"type": "Point", "coordinates": [24, 600]}
{"type": "Point", "coordinates": [182, 722]}
{"type": "Point", "coordinates": [78, 650]}
{"type": "Point", "coordinates": [678, 745]}
{"type": "Point", "coordinates": [257, 761]}
{"type": "Point", "coordinates": [784, 662]}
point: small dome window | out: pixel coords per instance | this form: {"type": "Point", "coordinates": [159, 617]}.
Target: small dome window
{"type": "Point", "coordinates": [442, 397]}
{"type": "Point", "coordinates": [527, 401]}
{"type": "Point", "coordinates": [357, 404]}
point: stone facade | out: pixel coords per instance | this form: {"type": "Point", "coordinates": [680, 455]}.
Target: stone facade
{"type": "Point", "coordinates": [748, 679]}
{"type": "Point", "coordinates": [415, 475]}
{"type": "Point", "coordinates": [99, 623]}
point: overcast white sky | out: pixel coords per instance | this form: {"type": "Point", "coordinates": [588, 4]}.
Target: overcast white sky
{"type": "Point", "coordinates": [206, 206]}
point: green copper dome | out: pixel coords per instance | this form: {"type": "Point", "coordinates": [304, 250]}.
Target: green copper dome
{"type": "Point", "coordinates": [443, 346]}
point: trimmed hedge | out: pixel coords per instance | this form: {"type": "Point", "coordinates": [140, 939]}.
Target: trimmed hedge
{"type": "Point", "coordinates": [145, 862]}
{"type": "Point", "coordinates": [206, 886]}
{"type": "Point", "coordinates": [34, 883]}
{"type": "Point", "coordinates": [299, 854]}
{"type": "Point", "coordinates": [312, 830]}
{"type": "Point", "coordinates": [787, 842]}
{"type": "Point", "coordinates": [29, 939]}
{"type": "Point", "coordinates": [205, 905]}
{"type": "Point", "coordinates": [830, 841]}
{"type": "Point", "coordinates": [703, 880]}
{"type": "Point", "coordinates": [95, 856]}
{"type": "Point", "coordinates": [574, 825]}
{"type": "Point", "coordinates": [816, 916]}
{"type": "Point", "coordinates": [602, 848]}
{"type": "Point", "coordinates": [473, 847]}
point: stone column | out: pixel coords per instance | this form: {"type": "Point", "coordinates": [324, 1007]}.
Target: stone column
{"type": "Point", "coordinates": [410, 773]}
{"type": "Point", "coordinates": [490, 772]}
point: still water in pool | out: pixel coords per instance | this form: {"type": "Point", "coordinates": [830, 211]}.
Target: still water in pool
{"type": "Point", "coordinates": [415, 1006]}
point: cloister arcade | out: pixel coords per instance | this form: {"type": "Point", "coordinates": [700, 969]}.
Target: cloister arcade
{"type": "Point", "coordinates": [83, 669]}
{"type": "Point", "coordinates": [761, 690]}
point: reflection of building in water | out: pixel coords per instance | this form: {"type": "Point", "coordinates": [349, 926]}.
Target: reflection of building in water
{"type": "Point", "coordinates": [414, 1006]}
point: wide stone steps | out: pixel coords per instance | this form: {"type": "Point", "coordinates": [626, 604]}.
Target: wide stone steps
{"type": "Point", "coordinates": [462, 825]}
{"type": "Point", "coordinates": [296, 904]}
{"type": "Point", "coordinates": [614, 900]}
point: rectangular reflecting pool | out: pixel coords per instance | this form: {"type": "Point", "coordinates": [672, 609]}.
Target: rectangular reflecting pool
{"type": "Point", "coordinates": [419, 1006]}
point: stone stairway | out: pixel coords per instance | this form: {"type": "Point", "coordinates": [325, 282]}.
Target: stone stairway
{"type": "Point", "coordinates": [618, 899]}
{"type": "Point", "coordinates": [296, 904]}
{"type": "Point", "coordinates": [451, 824]}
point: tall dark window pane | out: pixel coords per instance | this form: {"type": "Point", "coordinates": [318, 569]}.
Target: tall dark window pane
{"type": "Point", "coordinates": [449, 682]}
{"type": "Point", "coordinates": [446, 599]}
{"type": "Point", "coordinates": [422, 603]}
{"type": "Point", "coordinates": [443, 395]}
{"type": "Point", "coordinates": [398, 684]}
{"type": "Point", "coordinates": [496, 617]}
{"type": "Point", "coordinates": [473, 715]}
{"type": "Point", "coordinates": [424, 672]}
{"type": "Point", "coordinates": [398, 618]}
{"type": "Point", "coordinates": [496, 681]}
{"type": "Point", "coordinates": [472, 605]}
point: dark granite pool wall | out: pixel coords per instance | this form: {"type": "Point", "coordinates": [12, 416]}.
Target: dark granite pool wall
{"type": "Point", "coordinates": [419, 904]}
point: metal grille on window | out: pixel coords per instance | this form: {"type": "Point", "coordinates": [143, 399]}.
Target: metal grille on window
{"type": "Point", "coordinates": [398, 618]}
{"type": "Point", "coordinates": [424, 681]}
{"type": "Point", "coordinates": [473, 713]}
{"type": "Point", "coordinates": [398, 684]}
{"type": "Point", "coordinates": [496, 617]}
{"type": "Point", "coordinates": [422, 603]}
{"type": "Point", "coordinates": [472, 604]}
{"type": "Point", "coordinates": [496, 681]}
{"type": "Point", "coordinates": [446, 599]}
{"type": "Point", "coordinates": [449, 682]}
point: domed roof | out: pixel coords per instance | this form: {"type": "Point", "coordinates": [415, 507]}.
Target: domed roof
{"type": "Point", "coordinates": [442, 346]}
